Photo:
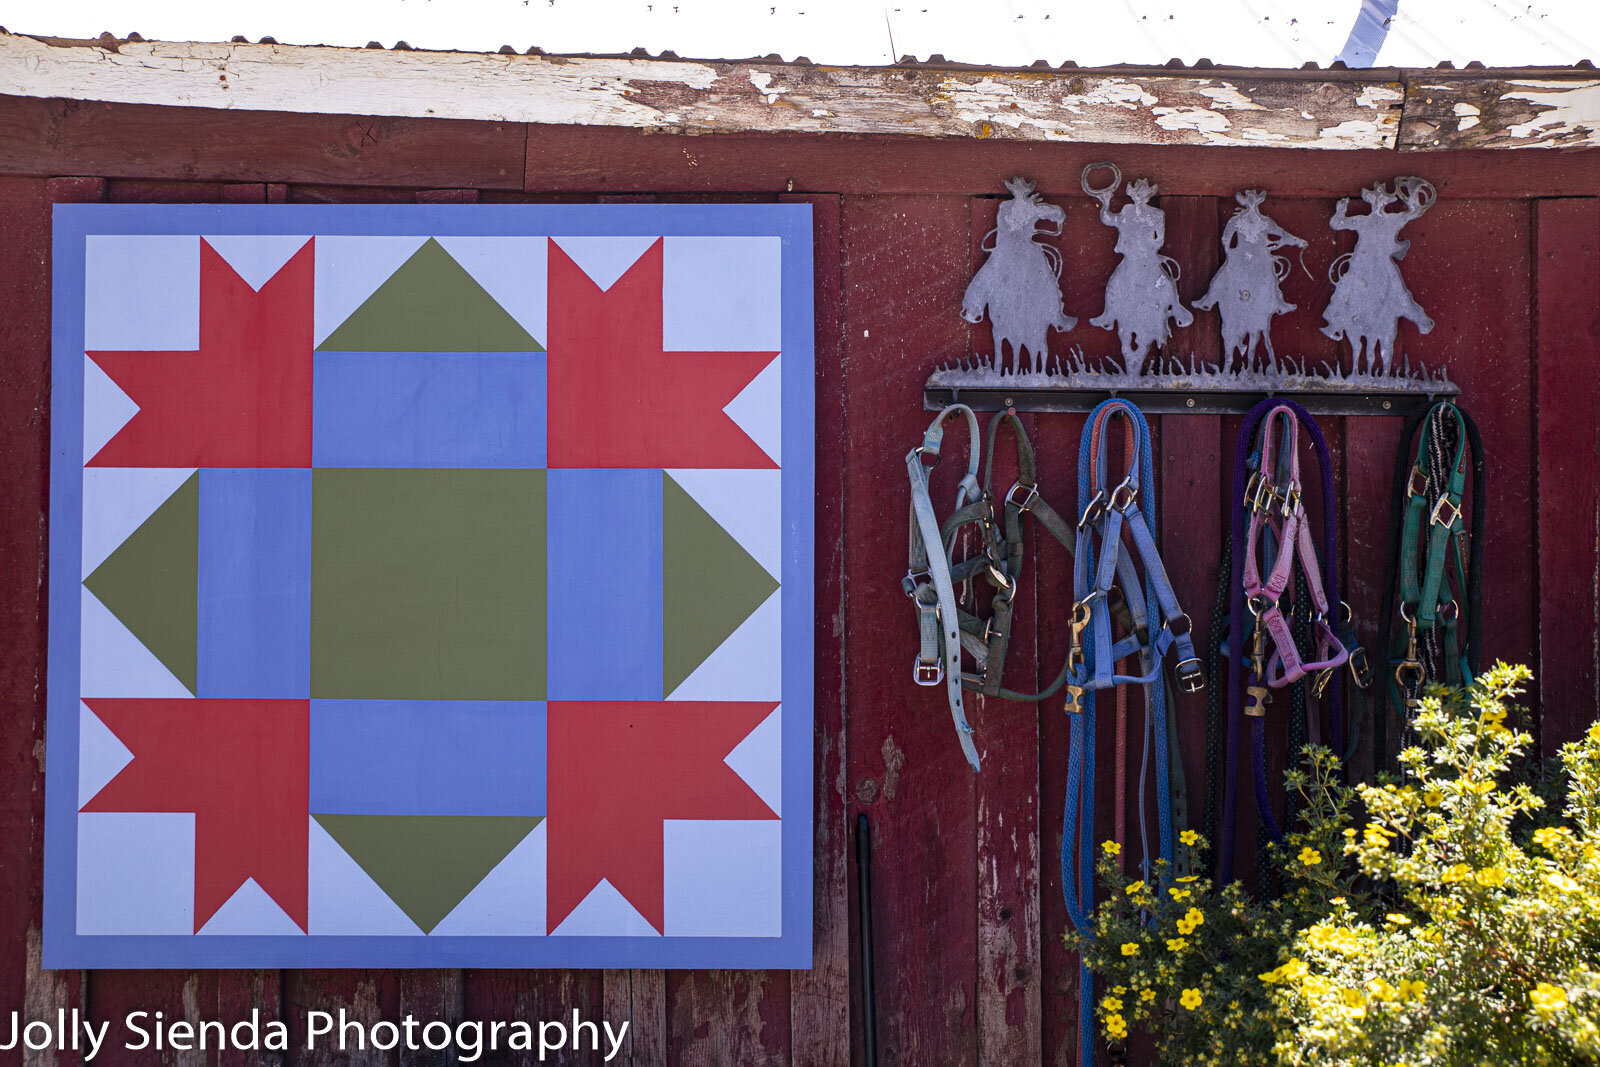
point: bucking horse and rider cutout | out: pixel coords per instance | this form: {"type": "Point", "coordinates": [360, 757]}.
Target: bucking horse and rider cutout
{"type": "Point", "coordinates": [1020, 283]}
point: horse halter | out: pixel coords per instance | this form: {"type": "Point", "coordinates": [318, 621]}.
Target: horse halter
{"type": "Point", "coordinates": [1270, 545]}
{"type": "Point", "coordinates": [944, 627]}
{"type": "Point", "coordinates": [1276, 508]}
{"type": "Point", "coordinates": [1113, 530]}
{"type": "Point", "coordinates": [1431, 548]}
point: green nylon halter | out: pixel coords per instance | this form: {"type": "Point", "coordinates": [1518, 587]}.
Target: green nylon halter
{"type": "Point", "coordinates": [1437, 580]}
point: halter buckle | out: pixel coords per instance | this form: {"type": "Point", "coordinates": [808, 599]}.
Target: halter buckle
{"type": "Point", "coordinates": [914, 580]}
{"type": "Point", "coordinates": [1261, 501]}
{"type": "Point", "coordinates": [1002, 581]}
{"type": "Point", "coordinates": [1438, 510]}
{"type": "Point", "coordinates": [922, 452]}
{"type": "Point", "coordinates": [1412, 488]}
{"type": "Point", "coordinates": [927, 674]}
{"type": "Point", "coordinates": [1191, 679]}
{"type": "Point", "coordinates": [1093, 511]}
{"type": "Point", "coordinates": [1027, 501]}
{"type": "Point", "coordinates": [1360, 667]}
{"type": "Point", "coordinates": [1126, 492]}
{"type": "Point", "coordinates": [1291, 501]}
{"type": "Point", "coordinates": [1177, 630]}
{"type": "Point", "coordinates": [1251, 486]}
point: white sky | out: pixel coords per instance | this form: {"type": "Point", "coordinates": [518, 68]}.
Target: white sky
{"type": "Point", "coordinates": [1267, 33]}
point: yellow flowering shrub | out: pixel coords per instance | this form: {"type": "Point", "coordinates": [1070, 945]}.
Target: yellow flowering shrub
{"type": "Point", "coordinates": [1446, 917]}
{"type": "Point", "coordinates": [1487, 949]}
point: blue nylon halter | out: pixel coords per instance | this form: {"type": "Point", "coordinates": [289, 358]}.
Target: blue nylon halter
{"type": "Point", "coordinates": [1093, 575]}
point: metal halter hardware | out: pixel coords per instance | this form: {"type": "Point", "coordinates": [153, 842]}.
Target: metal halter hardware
{"type": "Point", "coordinates": [1276, 559]}
{"type": "Point", "coordinates": [1116, 553]}
{"type": "Point", "coordinates": [1435, 577]}
{"type": "Point", "coordinates": [948, 627]}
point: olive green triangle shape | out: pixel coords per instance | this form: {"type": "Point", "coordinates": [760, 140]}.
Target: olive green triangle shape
{"type": "Point", "coordinates": [151, 581]}
{"type": "Point", "coordinates": [710, 586]}
{"type": "Point", "coordinates": [431, 304]}
{"type": "Point", "coordinates": [427, 864]}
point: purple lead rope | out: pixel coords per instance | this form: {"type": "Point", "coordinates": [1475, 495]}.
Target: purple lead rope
{"type": "Point", "coordinates": [1330, 584]}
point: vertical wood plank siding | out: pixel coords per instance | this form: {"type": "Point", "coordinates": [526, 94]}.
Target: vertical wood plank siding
{"type": "Point", "coordinates": [968, 913]}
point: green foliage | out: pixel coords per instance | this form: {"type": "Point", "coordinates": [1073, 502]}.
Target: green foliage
{"type": "Point", "coordinates": [1460, 924]}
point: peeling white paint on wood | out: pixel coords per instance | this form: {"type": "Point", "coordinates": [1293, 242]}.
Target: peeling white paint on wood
{"type": "Point", "coordinates": [1509, 113]}
{"type": "Point", "coordinates": [1379, 96]}
{"type": "Point", "coordinates": [1567, 113]}
{"type": "Point", "coordinates": [711, 97]}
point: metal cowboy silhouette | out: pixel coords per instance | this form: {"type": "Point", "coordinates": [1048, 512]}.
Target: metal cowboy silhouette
{"type": "Point", "coordinates": [1020, 283]}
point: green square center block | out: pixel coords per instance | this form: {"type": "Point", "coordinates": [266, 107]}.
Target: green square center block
{"type": "Point", "coordinates": [428, 584]}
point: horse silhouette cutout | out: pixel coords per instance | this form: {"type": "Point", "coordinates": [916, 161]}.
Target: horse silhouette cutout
{"type": "Point", "coordinates": [1142, 295]}
{"type": "Point", "coordinates": [1245, 287]}
{"type": "Point", "coordinates": [1019, 285]}
{"type": "Point", "coordinates": [1369, 296]}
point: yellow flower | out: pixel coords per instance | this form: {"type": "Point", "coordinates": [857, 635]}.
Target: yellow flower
{"type": "Point", "coordinates": [1557, 880]}
{"type": "Point", "coordinates": [1147, 995]}
{"type": "Point", "coordinates": [1129, 948]}
{"type": "Point", "coordinates": [1337, 902]}
{"type": "Point", "coordinates": [1398, 919]}
{"type": "Point", "coordinates": [1119, 989]}
{"type": "Point", "coordinates": [1189, 837]}
{"type": "Point", "coordinates": [1456, 872]}
{"type": "Point", "coordinates": [1111, 1004]}
{"type": "Point", "coordinates": [1380, 989]}
{"type": "Point", "coordinates": [1410, 989]}
{"type": "Point", "coordinates": [1110, 848]}
{"type": "Point", "coordinates": [1189, 878]}
{"type": "Point", "coordinates": [1492, 876]}
{"type": "Point", "coordinates": [1548, 999]}
{"type": "Point", "coordinates": [1549, 836]}
{"type": "Point", "coordinates": [1431, 796]}
{"type": "Point", "coordinates": [1176, 944]}
{"type": "Point", "coordinates": [1190, 999]}
{"type": "Point", "coordinates": [1194, 916]}
{"type": "Point", "coordinates": [1179, 894]}
{"type": "Point", "coordinates": [1134, 889]}
{"type": "Point", "coordinates": [1310, 856]}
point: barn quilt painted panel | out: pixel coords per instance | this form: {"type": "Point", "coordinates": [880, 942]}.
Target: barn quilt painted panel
{"type": "Point", "coordinates": [430, 586]}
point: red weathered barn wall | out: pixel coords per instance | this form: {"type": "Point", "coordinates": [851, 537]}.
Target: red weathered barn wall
{"type": "Point", "coordinates": [968, 912]}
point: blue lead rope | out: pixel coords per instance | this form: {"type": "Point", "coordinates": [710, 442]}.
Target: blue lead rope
{"type": "Point", "coordinates": [1159, 625]}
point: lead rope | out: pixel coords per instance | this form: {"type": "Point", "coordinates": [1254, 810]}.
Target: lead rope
{"type": "Point", "coordinates": [1260, 494]}
{"type": "Point", "coordinates": [1426, 508]}
{"type": "Point", "coordinates": [1158, 625]}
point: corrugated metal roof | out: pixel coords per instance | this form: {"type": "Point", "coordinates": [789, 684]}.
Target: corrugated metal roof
{"type": "Point", "coordinates": [997, 33]}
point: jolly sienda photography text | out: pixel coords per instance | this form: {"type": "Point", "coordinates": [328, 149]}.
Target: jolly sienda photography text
{"type": "Point", "coordinates": [153, 1032]}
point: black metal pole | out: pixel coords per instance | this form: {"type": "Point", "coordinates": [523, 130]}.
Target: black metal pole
{"type": "Point", "coordinates": [869, 996]}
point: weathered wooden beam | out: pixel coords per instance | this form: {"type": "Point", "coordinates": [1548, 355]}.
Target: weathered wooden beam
{"type": "Point", "coordinates": [1500, 113]}
{"type": "Point", "coordinates": [1340, 111]}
